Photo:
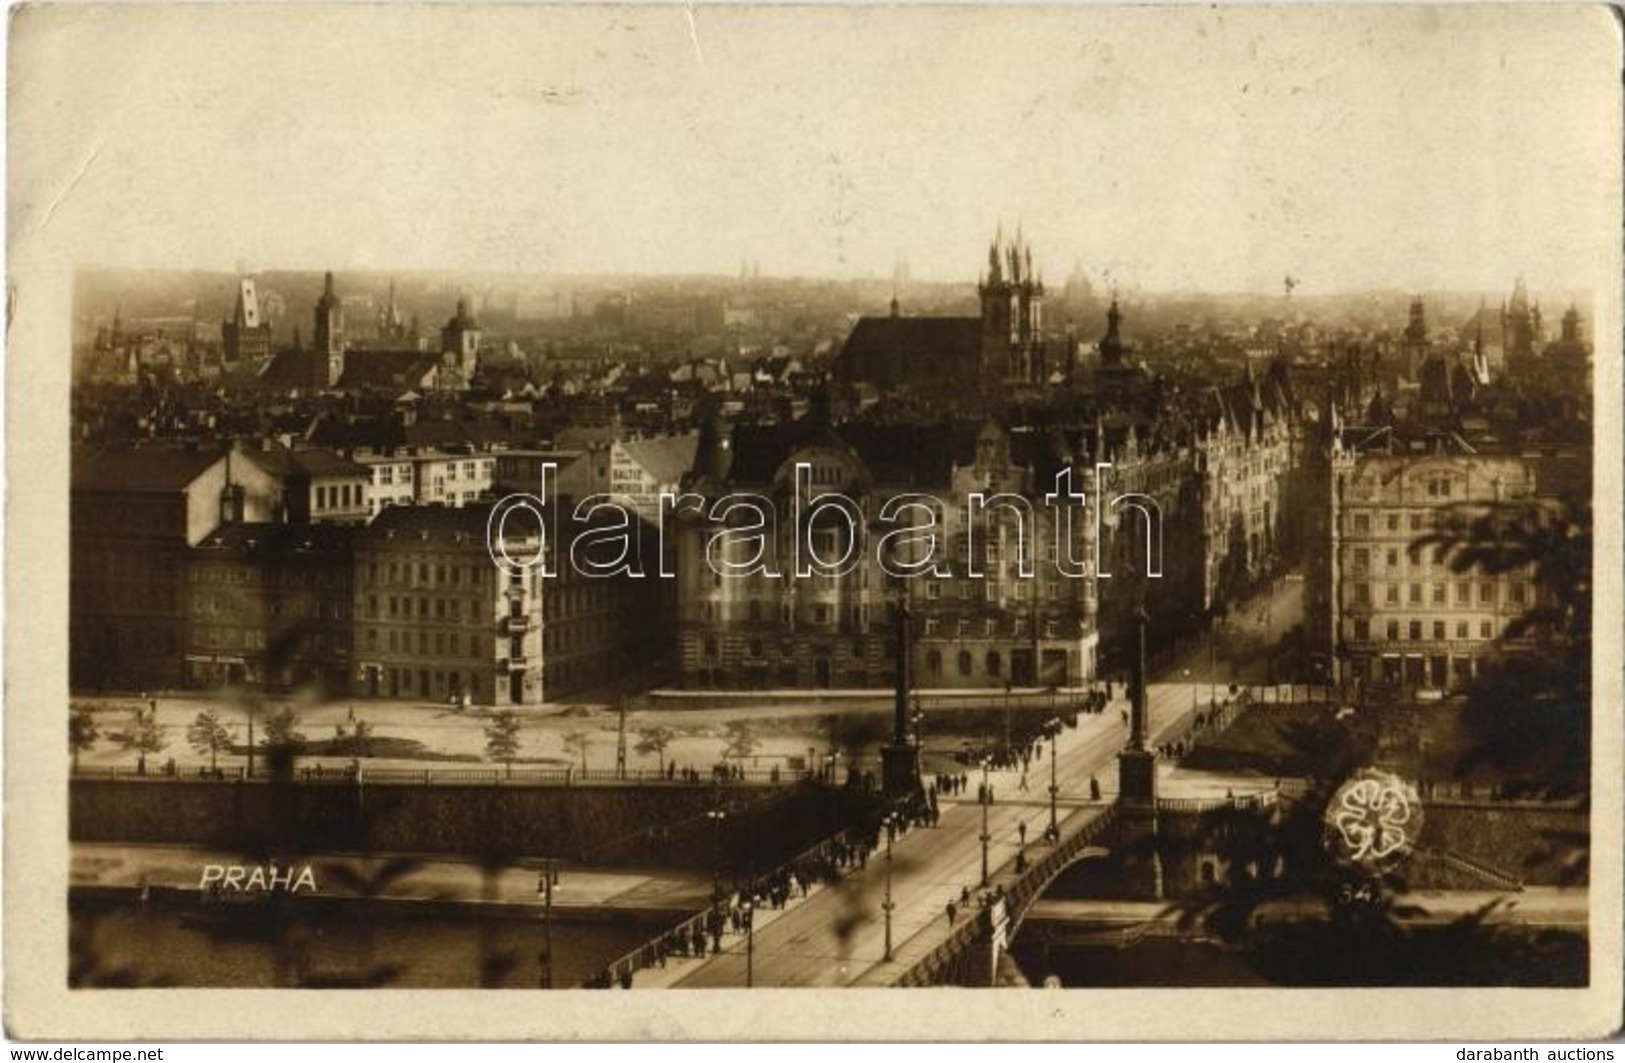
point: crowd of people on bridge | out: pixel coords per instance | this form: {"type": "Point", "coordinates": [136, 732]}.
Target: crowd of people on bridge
{"type": "Point", "coordinates": [735, 912]}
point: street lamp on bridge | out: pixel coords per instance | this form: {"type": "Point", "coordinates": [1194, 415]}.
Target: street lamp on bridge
{"type": "Point", "coordinates": [987, 799]}
{"type": "Point", "coordinates": [890, 823]}
{"type": "Point", "coordinates": [748, 913]}
{"type": "Point", "coordinates": [716, 816]}
{"type": "Point", "coordinates": [546, 882]}
{"type": "Point", "coordinates": [1052, 728]}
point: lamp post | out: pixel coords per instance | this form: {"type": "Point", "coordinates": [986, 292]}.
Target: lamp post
{"type": "Point", "coordinates": [749, 914]}
{"type": "Point", "coordinates": [1054, 729]}
{"type": "Point", "coordinates": [1212, 661]}
{"type": "Point", "coordinates": [716, 816]}
{"type": "Point", "coordinates": [1008, 686]}
{"type": "Point", "coordinates": [887, 906]}
{"type": "Point", "coordinates": [548, 880]}
{"type": "Point", "coordinates": [986, 837]}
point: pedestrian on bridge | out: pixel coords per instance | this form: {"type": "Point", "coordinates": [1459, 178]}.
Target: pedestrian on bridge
{"type": "Point", "coordinates": [1094, 788]}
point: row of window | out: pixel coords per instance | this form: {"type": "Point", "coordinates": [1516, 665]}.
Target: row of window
{"type": "Point", "coordinates": [1392, 522]}
{"type": "Point", "coordinates": [277, 575]}
{"type": "Point", "coordinates": [339, 496]}
{"type": "Point", "coordinates": [234, 605]}
{"type": "Point", "coordinates": [445, 643]}
{"type": "Point", "coordinates": [385, 475]}
{"type": "Point", "coordinates": [1439, 593]}
{"type": "Point", "coordinates": [407, 606]}
{"type": "Point", "coordinates": [425, 574]}
{"type": "Point", "coordinates": [1416, 630]}
{"type": "Point", "coordinates": [1019, 627]}
{"type": "Point", "coordinates": [1392, 557]}
{"type": "Point", "coordinates": [206, 637]}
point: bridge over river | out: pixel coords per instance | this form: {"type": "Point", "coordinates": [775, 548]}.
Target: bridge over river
{"type": "Point", "coordinates": [837, 935]}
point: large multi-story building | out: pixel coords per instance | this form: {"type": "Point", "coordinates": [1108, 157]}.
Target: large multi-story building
{"type": "Point", "coordinates": [978, 621]}
{"type": "Point", "coordinates": [133, 518]}
{"type": "Point", "coordinates": [1244, 463]}
{"type": "Point", "coordinates": [1380, 611]}
{"type": "Point", "coordinates": [269, 606]}
{"type": "Point", "coordinates": [437, 617]}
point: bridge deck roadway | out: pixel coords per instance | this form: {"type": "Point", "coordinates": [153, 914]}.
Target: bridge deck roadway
{"type": "Point", "coordinates": [835, 937]}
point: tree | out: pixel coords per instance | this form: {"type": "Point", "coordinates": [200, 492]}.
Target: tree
{"type": "Point", "coordinates": [1529, 718]}
{"type": "Point", "coordinates": [82, 732]}
{"type": "Point", "coordinates": [208, 736]}
{"type": "Point", "coordinates": [146, 735]}
{"type": "Point", "coordinates": [655, 740]}
{"type": "Point", "coordinates": [502, 738]}
{"type": "Point", "coordinates": [282, 731]}
{"type": "Point", "coordinates": [578, 741]}
{"type": "Point", "coordinates": [738, 741]}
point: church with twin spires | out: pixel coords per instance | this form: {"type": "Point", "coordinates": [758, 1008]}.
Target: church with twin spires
{"type": "Point", "coordinates": [1002, 350]}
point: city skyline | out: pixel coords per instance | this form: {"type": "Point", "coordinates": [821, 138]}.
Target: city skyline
{"type": "Point", "coordinates": [1161, 149]}
{"type": "Point", "coordinates": [881, 606]}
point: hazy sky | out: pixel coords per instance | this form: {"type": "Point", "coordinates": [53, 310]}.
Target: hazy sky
{"type": "Point", "coordinates": [1173, 148]}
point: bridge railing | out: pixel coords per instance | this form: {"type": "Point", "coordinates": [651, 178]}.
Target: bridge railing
{"type": "Point", "coordinates": [1019, 895]}
{"type": "Point", "coordinates": [1016, 893]}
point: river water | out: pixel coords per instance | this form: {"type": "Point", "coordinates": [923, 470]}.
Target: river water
{"type": "Point", "coordinates": [130, 945]}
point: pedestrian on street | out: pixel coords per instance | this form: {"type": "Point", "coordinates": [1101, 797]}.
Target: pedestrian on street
{"type": "Point", "coordinates": [953, 910]}
{"type": "Point", "coordinates": [1021, 831]}
{"type": "Point", "coordinates": [1094, 788]}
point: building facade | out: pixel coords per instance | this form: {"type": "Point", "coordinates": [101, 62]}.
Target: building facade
{"type": "Point", "coordinates": [977, 620]}
{"type": "Point", "coordinates": [269, 606]}
{"type": "Point", "coordinates": [133, 518]}
{"type": "Point", "coordinates": [1382, 612]}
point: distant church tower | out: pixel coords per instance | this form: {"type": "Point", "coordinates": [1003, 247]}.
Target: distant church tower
{"type": "Point", "coordinates": [247, 335]}
{"type": "Point", "coordinates": [327, 357]}
{"type": "Point", "coordinates": [1414, 344]}
{"type": "Point", "coordinates": [460, 341]}
{"type": "Point", "coordinates": [1012, 315]}
{"type": "Point", "coordinates": [1519, 327]}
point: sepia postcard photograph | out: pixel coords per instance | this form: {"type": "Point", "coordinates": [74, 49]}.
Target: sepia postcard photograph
{"type": "Point", "coordinates": [982, 522]}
